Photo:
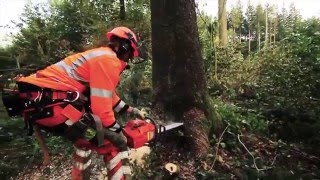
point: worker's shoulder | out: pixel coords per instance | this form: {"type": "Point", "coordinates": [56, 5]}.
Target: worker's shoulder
{"type": "Point", "coordinates": [102, 52]}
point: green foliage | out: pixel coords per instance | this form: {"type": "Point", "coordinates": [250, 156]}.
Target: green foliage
{"type": "Point", "coordinates": [249, 15]}
{"type": "Point", "coordinates": [240, 119]}
{"type": "Point", "coordinates": [135, 85]}
{"type": "Point", "coordinates": [207, 31]}
{"type": "Point", "coordinates": [6, 59]}
{"type": "Point", "coordinates": [282, 77]}
{"type": "Point", "coordinates": [68, 26]}
{"type": "Point", "coordinates": [32, 41]}
{"type": "Point", "coordinates": [56, 144]}
{"type": "Point", "coordinates": [237, 17]}
{"type": "Point", "coordinates": [290, 76]}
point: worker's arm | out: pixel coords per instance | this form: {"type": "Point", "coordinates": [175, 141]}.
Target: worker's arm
{"type": "Point", "coordinates": [120, 107]}
{"type": "Point", "coordinates": [103, 81]}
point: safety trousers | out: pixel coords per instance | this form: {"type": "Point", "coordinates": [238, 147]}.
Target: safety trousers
{"type": "Point", "coordinates": [117, 160]}
{"type": "Point", "coordinates": [81, 162]}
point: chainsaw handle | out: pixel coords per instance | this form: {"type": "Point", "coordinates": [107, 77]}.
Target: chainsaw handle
{"type": "Point", "coordinates": [158, 128]}
{"type": "Point", "coordinates": [148, 117]}
{"type": "Point", "coordinates": [151, 120]}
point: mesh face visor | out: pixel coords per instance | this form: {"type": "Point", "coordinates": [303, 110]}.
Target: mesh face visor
{"type": "Point", "coordinates": [132, 40]}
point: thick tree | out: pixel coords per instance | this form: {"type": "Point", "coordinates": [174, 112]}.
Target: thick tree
{"type": "Point", "coordinates": [177, 71]}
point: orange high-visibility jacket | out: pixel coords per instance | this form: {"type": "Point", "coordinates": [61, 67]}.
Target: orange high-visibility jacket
{"type": "Point", "coordinates": [100, 68]}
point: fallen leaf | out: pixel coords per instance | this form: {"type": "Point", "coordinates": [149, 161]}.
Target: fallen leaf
{"type": "Point", "coordinates": [220, 159]}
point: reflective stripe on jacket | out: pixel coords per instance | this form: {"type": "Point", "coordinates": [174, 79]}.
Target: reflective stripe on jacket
{"type": "Point", "coordinates": [100, 68]}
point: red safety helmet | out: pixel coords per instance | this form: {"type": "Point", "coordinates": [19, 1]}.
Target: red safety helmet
{"type": "Point", "coordinates": [126, 33]}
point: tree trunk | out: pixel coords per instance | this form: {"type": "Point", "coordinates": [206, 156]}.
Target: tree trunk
{"type": "Point", "coordinates": [240, 34]}
{"type": "Point", "coordinates": [274, 36]}
{"type": "Point", "coordinates": [259, 37]}
{"type": "Point", "coordinates": [178, 71]}
{"type": "Point", "coordinates": [122, 10]}
{"type": "Point", "coordinates": [18, 63]}
{"type": "Point", "coordinates": [249, 42]}
{"type": "Point", "coordinates": [266, 33]}
{"type": "Point", "coordinates": [222, 16]}
{"type": "Point", "coordinates": [215, 62]}
{"type": "Point", "coordinates": [270, 38]}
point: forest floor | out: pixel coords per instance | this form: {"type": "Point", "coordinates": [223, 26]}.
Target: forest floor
{"type": "Point", "coordinates": [251, 157]}
{"type": "Point", "coordinates": [247, 156]}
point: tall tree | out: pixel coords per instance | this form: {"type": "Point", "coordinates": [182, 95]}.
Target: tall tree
{"type": "Point", "coordinates": [282, 24]}
{"type": "Point", "coordinates": [237, 18]}
{"type": "Point", "coordinates": [275, 27]}
{"type": "Point", "coordinates": [178, 71]}
{"type": "Point", "coordinates": [273, 19]}
{"type": "Point", "coordinates": [258, 21]}
{"type": "Point", "coordinates": [293, 19]}
{"type": "Point", "coordinates": [266, 26]}
{"type": "Point", "coordinates": [222, 16]}
{"type": "Point", "coordinates": [250, 19]}
{"type": "Point", "coordinates": [289, 21]}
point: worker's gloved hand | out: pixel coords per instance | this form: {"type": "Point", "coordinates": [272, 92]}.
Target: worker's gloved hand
{"type": "Point", "coordinates": [141, 113]}
{"type": "Point", "coordinates": [116, 137]}
{"type": "Point", "coordinates": [115, 128]}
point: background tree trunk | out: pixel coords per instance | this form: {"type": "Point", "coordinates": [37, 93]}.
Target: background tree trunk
{"type": "Point", "coordinates": [122, 10]}
{"type": "Point", "coordinates": [222, 16]}
{"type": "Point", "coordinates": [249, 49]}
{"type": "Point", "coordinates": [240, 34]}
{"type": "Point", "coordinates": [178, 70]}
{"type": "Point", "coordinates": [259, 37]}
{"type": "Point", "coordinates": [266, 30]}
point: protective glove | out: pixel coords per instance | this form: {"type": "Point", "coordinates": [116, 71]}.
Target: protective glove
{"type": "Point", "coordinates": [116, 137]}
{"type": "Point", "coordinates": [135, 111]}
{"type": "Point", "coordinates": [115, 128]}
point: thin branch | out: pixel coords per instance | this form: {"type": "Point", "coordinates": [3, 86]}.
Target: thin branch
{"type": "Point", "coordinates": [217, 147]}
{"type": "Point", "coordinates": [274, 160]}
{"type": "Point", "coordinates": [200, 15]}
{"type": "Point", "coordinates": [254, 159]}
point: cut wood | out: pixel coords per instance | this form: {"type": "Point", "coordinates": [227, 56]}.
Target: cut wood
{"type": "Point", "coordinates": [137, 155]}
{"type": "Point", "coordinates": [172, 168]}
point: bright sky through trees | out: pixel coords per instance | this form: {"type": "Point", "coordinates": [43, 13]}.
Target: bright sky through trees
{"type": "Point", "coordinates": [10, 10]}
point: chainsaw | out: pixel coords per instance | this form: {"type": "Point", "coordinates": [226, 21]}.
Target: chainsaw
{"type": "Point", "coordinates": [141, 132]}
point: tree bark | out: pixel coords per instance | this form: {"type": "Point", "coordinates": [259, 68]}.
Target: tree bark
{"type": "Point", "coordinates": [249, 42]}
{"type": "Point", "coordinates": [240, 34]}
{"type": "Point", "coordinates": [222, 16]}
{"type": "Point", "coordinates": [259, 37]}
{"type": "Point", "coordinates": [177, 69]}
{"type": "Point", "coordinates": [266, 32]}
{"type": "Point", "coordinates": [122, 10]}
{"type": "Point", "coordinates": [274, 36]}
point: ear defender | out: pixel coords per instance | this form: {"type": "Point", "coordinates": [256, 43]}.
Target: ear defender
{"type": "Point", "coordinates": [126, 46]}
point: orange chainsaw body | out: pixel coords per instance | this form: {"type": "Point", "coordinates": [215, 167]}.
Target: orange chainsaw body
{"type": "Point", "coordinates": [139, 132]}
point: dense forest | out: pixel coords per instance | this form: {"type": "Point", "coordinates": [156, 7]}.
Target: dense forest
{"type": "Point", "coordinates": [247, 83]}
